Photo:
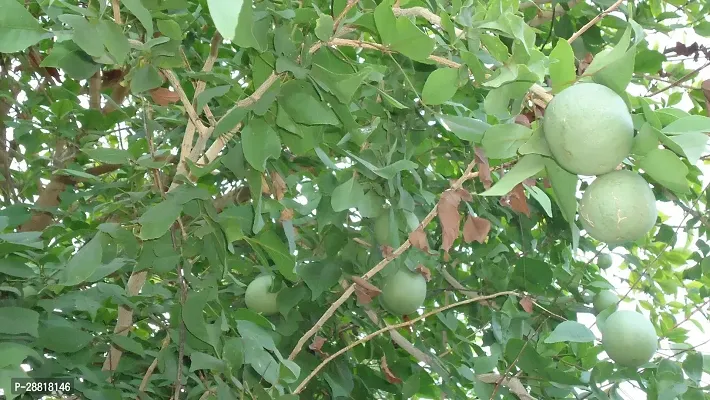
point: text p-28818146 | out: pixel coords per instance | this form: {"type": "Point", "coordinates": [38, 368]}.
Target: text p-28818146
{"type": "Point", "coordinates": [42, 385]}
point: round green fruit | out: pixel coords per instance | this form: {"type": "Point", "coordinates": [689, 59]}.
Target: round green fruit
{"type": "Point", "coordinates": [403, 292]}
{"type": "Point", "coordinates": [587, 296]}
{"type": "Point", "coordinates": [259, 298]}
{"type": "Point", "coordinates": [604, 261]}
{"type": "Point", "coordinates": [629, 338]}
{"type": "Point", "coordinates": [618, 207]}
{"type": "Point", "coordinates": [604, 300]}
{"type": "Point", "coordinates": [588, 128]}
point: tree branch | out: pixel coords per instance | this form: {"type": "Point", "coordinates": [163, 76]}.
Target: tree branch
{"type": "Point", "coordinates": [594, 21]}
{"type": "Point", "coordinates": [377, 268]}
{"type": "Point", "coordinates": [388, 328]}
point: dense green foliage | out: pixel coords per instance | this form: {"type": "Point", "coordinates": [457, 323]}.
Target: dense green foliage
{"type": "Point", "coordinates": [157, 156]}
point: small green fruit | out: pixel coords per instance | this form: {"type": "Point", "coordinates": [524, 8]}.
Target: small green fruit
{"type": "Point", "coordinates": [587, 296]}
{"type": "Point", "coordinates": [588, 128]}
{"type": "Point", "coordinates": [403, 292]}
{"type": "Point", "coordinates": [258, 298]}
{"type": "Point", "coordinates": [618, 207]}
{"type": "Point", "coordinates": [604, 300]}
{"type": "Point", "coordinates": [604, 261]}
{"type": "Point", "coordinates": [629, 338]}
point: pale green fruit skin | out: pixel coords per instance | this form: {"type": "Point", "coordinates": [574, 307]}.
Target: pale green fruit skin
{"type": "Point", "coordinates": [403, 292]}
{"type": "Point", "coordinates": [588, 128]}
{"type": "Point", "coordinates": [604, 300]}
{"type": "Point", "coordinates": [629, 338]}
{"type": "Point", "coordinates": [258, 298]}
{"type": "Point", "coordinates": [604, 261]}
{"type": "Point", "coordinates": [618, 207]}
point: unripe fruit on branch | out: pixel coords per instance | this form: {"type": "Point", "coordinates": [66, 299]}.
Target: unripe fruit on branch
{"type": "Point", "coordinates": [258, 298]}
{"type": "Point", "coordinates": [588, 128]}
{"type": "Point", "coordinates": [629, 338]}
{"type": "Point", "coordinates": [403, 292]}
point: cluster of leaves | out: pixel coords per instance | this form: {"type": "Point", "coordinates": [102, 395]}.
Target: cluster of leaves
{"type": "Point", "coordinates": [339, 127]}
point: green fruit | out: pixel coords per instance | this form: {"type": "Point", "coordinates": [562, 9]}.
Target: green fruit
{"type": "Point", "coordinates": [587, 296]}
{"type": "Point", "coordinates": [604, 261]}
{"type": "Point", "coordinates": [382, 228]}
{"type": "Point", "coordinates": [604, 300]}
{"type": "Point", "coordinates": [618, 207]}
{"type": "Point", "coordinates": [629, 338]}
{"type": "Point", "coordinates": [403, 292]}
{"type": "Point", "coordinates": [588, 128]}
{"type": "Point", "coordinates": [258, 297]}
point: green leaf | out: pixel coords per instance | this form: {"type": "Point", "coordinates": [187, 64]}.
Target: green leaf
{"type": "Point", "coordinates": [225, 15]}
{"type": "Point", "coordinates": [13, 354]}
{"type": "Point", "coordinates": [84, 263]}
{"type": "Point", "coordinates": [260, 142]}
{"type": "Point", "coordinates": [564, 185]}
{"type": "Point", "coordinates": [570, 331]}
{"type": "Point", "coordinates": [233, 353]}
{"type": "Point", "coordinates": [401, 35]}
{"type": "Point", "coordinates": [205, 361]}
{"type": "Point", "coordinates": [342, 86]}
{"type": "Point", "coordinates": [607, 58]}
{"type": "Point", "coordinates": [690, 124]}
{"type": "Point", "coordinates": [502, 141]}
{"type": "Point", "coordinates": [109, 156]}
{"type": "Point", "coordinates": [304, 108]}
{"type": "Point", "coordinates": [128, 344]}
{"type": "Point", "coordinates": [645, 141]}
{"type": "Point", "coordinates": [85, 34]}
{"type": "Point", "coordinates": [542, 198]}
{"type": "Point", "coordinates": [192, 314]}
{"type": "Point", "coordinates": [67, 56]}
{"type": "Point", "coordinates": [115, 41]}
{"type": "Point", "coordinates": [324, 27]}
{"type": "Point", "coordinates": [667, 169]}
{"type": "Point", "coordinates": [18, 28]}
{"type": "Point", "coordinates": [278, 251]}
{"type": "Point", "coordinates": [692, 144]}
{"type": "Point", "coordinates": [562, 69]}
{"type": "Point", "coordinates": [319, 276]}
{"type": "Point", "coordinates": [533, 275]}
{"type": "Point", "coordinates": [137, 8]}
{"type": "Point", "coordinates": [527, 166]}
{"type": "Point", "coordinates": [18, 321]}
{"type": "Point", "coordinates": [391, 170]}
{"type": "Point", "coordinates": [170, 29]}
{"type": "Point", "coordinates": [209, 94]}
{"type": "Point", "coordinates": [693, 366]}
{"type": "Point", "coordinates": [145, 78]}
{"type": "Point", "coordinates": [347, 195]}
{"type": "Point", "coordinates": [464, 128]}
{"type": "Point", "coordinates": [157, 219]}
{"type": "Point", "coordinates": [440, 86]}
{"type": "Point", "coordinates": [63, 338]}
{"type": "Point", "coordinates": [536, 145]}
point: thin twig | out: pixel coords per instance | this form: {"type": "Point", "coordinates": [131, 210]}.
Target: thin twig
{"type": "Point", "coordinates": [499, 382]}
{"type": "Point", "coordinates": [686, 77]}
{"type": "Point", "coordinates": [339, 18]}
{"type": "Point", "coordinates": [371, 336]}
{"type": "Point", "coordinates": [153, 365]}
{"type": "Point", "coordinates": [116, 6]}
{"type": "Point", "coordinates": [594, 21]}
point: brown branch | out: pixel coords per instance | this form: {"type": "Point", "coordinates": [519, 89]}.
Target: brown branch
{"type": "Point", "coordinates": [686, 77]}
{"type": "Point", "coordinates": [350, 4]}
{"type": "Point", "coordinates": [388, 328]}
{"type": "Point", "coordinates": [546, 16]}
{"type": "Point", "coordinates": [116, 6]}
{"type": "Point", "coordinates": [513, 384]}
{"type": "Point", "coordinates": [377, 268]}
{"type": "Point", "coordinates": [95, 91]}
{"type": "Point", "coordinates": [152, 366]}
{"type": "Point", "coordinates": [502, 377]}
{"type": "Point", "coordinates": [594, 21]}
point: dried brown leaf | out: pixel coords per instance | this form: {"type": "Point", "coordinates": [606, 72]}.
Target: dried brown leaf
{"type": "Point", "coordinates": [317, 344]}
{"type": "Point", "coordinates": [476, 229]}
{"type": "Point", "coordinates": [286, 214]}
{"type": "Point", "coordinates": [164, 96]}
{"type": "Point", "coordinates": [706, 92]}
{"type": "Point", "coordinates": [530, 182]}
{"type": "Point", "coordinates": [464, 194]}
{"type": "Point", "coordinates": [517, 200]}
{"type": "Point", "coordinates": [419, 240]}
{"type": "Point", "coordinates": [424, 271]}
{"type": "Point", "coordinates": [391, 377]}
{"type": "Point", "coordinates": [363, 283]}
{"type": "Point", "coordinates": [449, 218]}
{"type": "Point", "coordinates": [279, 185]}
{"type": "Point", "coordinates": [546, 183]}
{"type": "Point", "coordinates": [527, 303]}
{"type": "Point", "coordinates": [522, 120]}
{"type": "Point", "coordinates": [484, 168]}
{"type": "Point", "coordinates": [584, 64]}
{"type": "Point", "coordinates": [265, 189]}
{"type": "Point", "coordinates": [387, 251]}
{"type": "Point", "coordinates": [363, 297]}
